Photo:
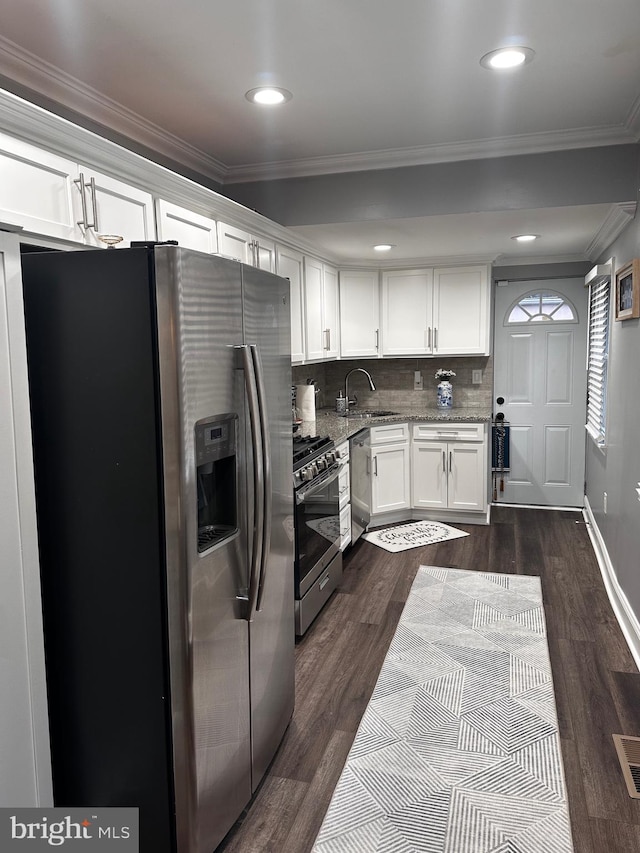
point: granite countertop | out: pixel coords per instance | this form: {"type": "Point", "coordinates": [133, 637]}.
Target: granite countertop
{"type": "Point", "coordinates": [340, 428]}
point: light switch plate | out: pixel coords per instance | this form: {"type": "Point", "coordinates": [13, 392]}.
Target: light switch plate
{"type": "Point", "coordinates": [417, 380]}
{"type": "Point", "coordinates": [476, 377]}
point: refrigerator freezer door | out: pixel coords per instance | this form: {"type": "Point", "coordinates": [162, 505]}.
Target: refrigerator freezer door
{"type": "Point", "coordinates": [200, 329]}
{"type": "Point", "coordinates": [272, 631]}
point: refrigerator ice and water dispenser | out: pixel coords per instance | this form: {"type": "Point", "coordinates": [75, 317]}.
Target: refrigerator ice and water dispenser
{"type": "Point", "coordinates": [216, 477]}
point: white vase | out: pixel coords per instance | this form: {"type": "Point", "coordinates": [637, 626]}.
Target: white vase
{"type": "Point", "coordinates": [445, 395]}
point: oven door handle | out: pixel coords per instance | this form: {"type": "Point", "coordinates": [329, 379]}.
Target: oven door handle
{"type": "Point", "coordinates": [265, 444]}
{"type": "Point", "coordinates": [309, 488]}
{"type": "Point", "coordinates": [258, 480]}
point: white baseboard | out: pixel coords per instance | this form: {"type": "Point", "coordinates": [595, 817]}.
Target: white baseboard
{"type": "Point", "coordinates": [627, 619]}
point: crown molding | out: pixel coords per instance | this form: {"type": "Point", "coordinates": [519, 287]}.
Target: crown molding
{"type": "Point", "coordinates": [532, 260]}
{"type": "Point", "coordinates": [416, 263]}
{"type": "Point", "coordinates": [31, 72]}
{"type": "Point", "coordinates": [481, 149]}
{"type": "Point", "coordinates": [617, 219]}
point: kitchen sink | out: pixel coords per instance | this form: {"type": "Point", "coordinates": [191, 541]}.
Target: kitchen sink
{"type": "Point", "coordinates": [370, 413]}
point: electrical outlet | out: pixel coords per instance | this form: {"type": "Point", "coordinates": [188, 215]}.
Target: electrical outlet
{"type": "Point", "coordinates": [417, 380]}
{"type": "Point", "coordinates": [604, 502]}
{"type": "Point", "coordinates": [476, 377]}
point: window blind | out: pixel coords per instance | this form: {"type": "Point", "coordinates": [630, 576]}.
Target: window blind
{"type": "Point", "coordinates": [599, 299]}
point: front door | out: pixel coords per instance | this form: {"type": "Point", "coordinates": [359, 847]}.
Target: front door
{"type": "Point", "coordinates": [540, 372]}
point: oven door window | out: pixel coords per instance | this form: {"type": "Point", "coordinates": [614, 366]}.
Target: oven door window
{"type": "Point", "coordinates": [317, 523]}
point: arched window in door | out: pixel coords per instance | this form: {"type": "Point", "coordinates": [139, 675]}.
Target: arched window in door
{"type": "Point", "coordinates": [541, 307]}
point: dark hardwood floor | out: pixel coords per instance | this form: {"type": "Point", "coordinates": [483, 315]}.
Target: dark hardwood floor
{"type": "Point", "coordinates": [596, 681]}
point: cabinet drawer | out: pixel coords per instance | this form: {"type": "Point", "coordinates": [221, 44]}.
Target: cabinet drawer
{"type": "Point", "coordinates": [389, 433]}
{"type": "Point", "coordinates": [448, 432]}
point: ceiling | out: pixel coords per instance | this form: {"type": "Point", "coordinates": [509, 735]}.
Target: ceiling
{"type": "Point", "coordinates": [375, 85]}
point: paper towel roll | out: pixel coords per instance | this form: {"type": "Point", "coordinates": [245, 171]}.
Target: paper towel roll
{"type": "Point", "coordinates": [306, 402]}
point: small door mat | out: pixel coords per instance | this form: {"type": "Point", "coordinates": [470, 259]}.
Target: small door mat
{"type": "Point", "coordinates": [458, 750]}
{"type": "Point", "coordinates": [413, 535]}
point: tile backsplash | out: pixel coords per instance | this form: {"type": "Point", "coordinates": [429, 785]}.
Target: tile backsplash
{"type": "Point", "coordinates": [393, 378]}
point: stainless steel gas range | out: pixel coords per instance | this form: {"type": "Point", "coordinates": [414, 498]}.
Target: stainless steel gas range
{"type": "Point", "coordinates": [318, 559]}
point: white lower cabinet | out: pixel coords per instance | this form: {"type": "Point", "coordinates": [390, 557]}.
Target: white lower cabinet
{"type": "Point", "coordinates": [449, 467]}
{"type": "Point", "coordinates": [390, 469]}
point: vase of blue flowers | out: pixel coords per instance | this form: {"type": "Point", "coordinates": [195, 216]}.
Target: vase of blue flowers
{"type": "Point", "coordinates": [445, 388]}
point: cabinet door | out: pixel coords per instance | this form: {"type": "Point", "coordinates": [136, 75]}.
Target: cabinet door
{"type": "Point", "coordinates": [390, 477]}
{"type": "Point", "coordinates": [38, 190]}
{"type": "Point", "coordinates": [429, 474]}
{"type": "Point", "coordinates": [461, 310]}
{"type": "Point", "coordinates": [264, 254]}
{"type": "Point", "coordinates": [359, 314]}
{"type": "Point", "coordinates": [467, 476]}
{"type": "Point", "coordinates": [330, 312]}
{"type": "Point", "coordinates": [406, 312]}
{"type": "Point", "coordinates": [289, 264]}
{"type": "Point", "coordinates": [114, 207]}
{"type": "Point", "coordinates": [235, 243]}
{"type": "Point", "coordinates": [314, 329]}
{"type": "Point", "coordinates": [190, 229]}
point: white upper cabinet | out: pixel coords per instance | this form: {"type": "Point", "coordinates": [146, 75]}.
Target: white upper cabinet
{"type": "Point", "coordinates": [243, 246]}
{"type": "Point", "coordinates": [37, 190]}
{"type": "Point", "coordinates": [407, 312]}
{"type": "Point", "coordinates": [264, 252]}
{"type": "Point", "coordinates": [112, 207]}
{"type": "Point", "coordinates": [359, 314]}
{"type": "Point", "coordinates": [289, 264]}
{"type": "Point", "coordinates": [314, 348]}
{"type": "Point", "coordinates": [321, 310]}
{"type": "Point", "coordinates": [436, 312]}
{"type": "Point", "coordinates": [190, 229]}
{"type": "Point", "coordinates": [461, 301]}
{"type": "Point", "coordinates": [60, 198]}
{"type": "Point", "coordinates": [330, 311]}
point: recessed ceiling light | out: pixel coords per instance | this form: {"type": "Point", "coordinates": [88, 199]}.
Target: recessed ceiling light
{"type": "Point", "coordinates": [525, 238]}
{"type": "Point", "coordinates": [507, 57]}
{"type": "Point", "coordinates": [268, 95]}
{"type": "Point", "coordinates": [384, 247]}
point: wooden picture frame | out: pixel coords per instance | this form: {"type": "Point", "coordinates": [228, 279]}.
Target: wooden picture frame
{"type": "Point", "coordinates": [628, 291]}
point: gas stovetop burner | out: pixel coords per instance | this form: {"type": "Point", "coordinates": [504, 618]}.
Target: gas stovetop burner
{"type": "Point", "coordinates": [307, 447]}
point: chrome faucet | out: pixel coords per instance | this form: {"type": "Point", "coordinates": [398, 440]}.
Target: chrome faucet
{"type": "Point", "coordinates": [346, 384]}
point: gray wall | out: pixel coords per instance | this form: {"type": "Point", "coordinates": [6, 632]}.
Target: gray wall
{"type": "Point", "coordinates": [554, 179]}
{"type": "Point", "coordinates": [616, 469]}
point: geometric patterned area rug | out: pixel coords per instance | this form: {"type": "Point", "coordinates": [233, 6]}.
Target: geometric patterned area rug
{"type": "Point", "coordinates": [413, 535]}
{"type": "Point", "coordinates": [458, 750]}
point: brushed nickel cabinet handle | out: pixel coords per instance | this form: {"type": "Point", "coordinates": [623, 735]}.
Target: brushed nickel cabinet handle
{"type": "Point", "coordinates": [83, 201]}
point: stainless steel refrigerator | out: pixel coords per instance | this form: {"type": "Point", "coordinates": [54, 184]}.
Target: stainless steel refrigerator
{"type": "Point", "coordinates": [160, 387]}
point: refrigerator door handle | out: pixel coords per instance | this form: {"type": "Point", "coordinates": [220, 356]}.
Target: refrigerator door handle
{"type": "Point", "coordinates": [266, 467]}
{"type": "Point", "coordinates": [258, 478]}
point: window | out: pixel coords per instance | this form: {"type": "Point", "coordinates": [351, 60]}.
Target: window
{"type": "Point", "coordinates": [598, 342]}
{"type": "Point", "coordinates": [539, 307]}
